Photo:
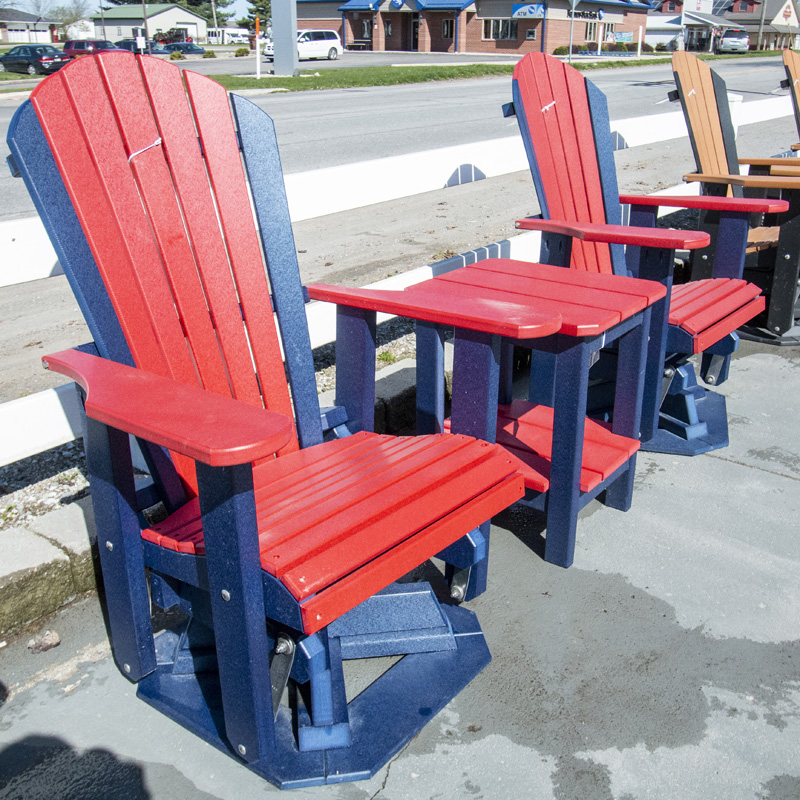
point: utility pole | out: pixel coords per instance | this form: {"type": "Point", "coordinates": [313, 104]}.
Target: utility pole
{"type": "Point", "coordinates": [103, 20]}
{"type": "Point", "coordinates": [214, 12]}
{"type": "Point", "coordinates": [761, 25]}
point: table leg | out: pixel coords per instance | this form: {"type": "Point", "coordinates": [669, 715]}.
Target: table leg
{"type": "Point", "coordinates": [569, 417]}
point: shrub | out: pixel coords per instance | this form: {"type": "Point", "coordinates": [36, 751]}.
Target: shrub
{"type": "Point", "coordinates": [561, 51]}
{"type": "Point", "coordinates": [661, 47]}
{"type": "Point", "coordinates": [176, 55]}
{"type": "Point", "coordinates": [647, 48]}
{"type": "Point", "coordinates": [242, 51]}
{"type": "Point", "coordinates": [632, 47]}
{"type": "Point", "coordinates": [209, 54]}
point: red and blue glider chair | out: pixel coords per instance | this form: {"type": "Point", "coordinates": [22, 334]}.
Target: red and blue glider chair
{"type": "Point", "coordinates": [564, 123]}
{"type": "Point", "coordinates": [282, 550]}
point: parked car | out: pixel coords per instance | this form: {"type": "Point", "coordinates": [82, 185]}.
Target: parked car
{"type": "Point", "coordinates": [312, 44]}
{"type": "Point", "coordinates": [187, 48]}
{"type": "Point", "coordinates": [237, 38]}
{"type": "Point", "coordinates": [35, 59]}
{"type": "Point", "coordinates": [733, 40]}
{"type": "Point", "coordinates": [85, 47]}
{"type": "Point", "coordinates": [130, 44]}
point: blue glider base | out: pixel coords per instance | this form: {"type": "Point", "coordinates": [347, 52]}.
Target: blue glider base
{"type": "Point", "coordinates": [707, 431]}
{"type": "Point", "coordinates": [382, 719]}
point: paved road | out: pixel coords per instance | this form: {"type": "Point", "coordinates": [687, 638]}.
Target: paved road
{"type": "Point", "coordinates": [327, 128]}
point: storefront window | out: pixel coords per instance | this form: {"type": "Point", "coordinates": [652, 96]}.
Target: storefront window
{"type": "Point", "coordinates": [447, 28]}
{"type": "Point", "coordinates": [387, 28]}
{"type": "Point", "coordinates": [500, 29]}
{"type": "Point", "coordinates": [366, 28]}
{"type": "Point", "coordinates": [591, 32]}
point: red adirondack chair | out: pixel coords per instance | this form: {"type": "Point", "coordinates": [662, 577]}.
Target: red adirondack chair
{"type": "Point", "coordinates": [564, 123]}
{"type": "Point", "coordinates": [284, 565]}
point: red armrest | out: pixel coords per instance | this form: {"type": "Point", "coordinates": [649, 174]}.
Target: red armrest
{"type": "Point", "coordinates": [474, 313]}
{"type": "Point", "coordinates": [745, 204]}
{"type": "Point", "coordinates": [207, 427]}
{"type": "Point", "coordinates": [619, 234]}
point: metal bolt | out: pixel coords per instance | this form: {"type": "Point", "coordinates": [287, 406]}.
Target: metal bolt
{"type": "Point", "coordinates": [285, 646]}
{"type": "Point", "coordinates": [127, 668]}
{"type": "Point", "coordinates": [457, 592]}
{"type": "Point", "coordinates": [711, 380]}
{"type": "Point", "coordinates": [242, 750]}
{"type": "Point", "coordinates": [787, 256]}
{"type": "Point", "coordinates": [226, 595]}
{"type": "Point", "coordinates": [704, 258]}
{"type": "Point", "coordinates": [669, 372]}
{"type": "Point", "coordinates": [109, 546]}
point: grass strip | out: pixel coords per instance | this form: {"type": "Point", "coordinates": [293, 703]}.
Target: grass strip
{"type": "Point", "coordinates": [363, 76]}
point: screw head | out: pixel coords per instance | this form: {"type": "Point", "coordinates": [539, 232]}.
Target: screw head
{"type": "Point", "coordinates": [226, 595]}
{"type": "Point", "coordinates": [127, 668]}
{"type": "Point", "coordinates": [711, 380]}
{"type": "Point", "coordinates": [787, 256]}
{"type": "Point", "coordinates": [704, 258]}
{"type": "Point", "coordinates": [457, 592]}
{"type": "Point", "coordinates": [109, 546]}
{"type": "Point", "coordinates": [242, 750]}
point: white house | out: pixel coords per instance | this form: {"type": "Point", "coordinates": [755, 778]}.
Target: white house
{"type": "Point", "coordinates": [127, 22]}
{"type": "Point", "coordinates": [19, 27]}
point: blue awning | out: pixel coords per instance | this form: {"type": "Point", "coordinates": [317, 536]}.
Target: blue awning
{"type": "Point", "coordinates": [360, 5]}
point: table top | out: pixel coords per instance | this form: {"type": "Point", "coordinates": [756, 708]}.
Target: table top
{"type": "Point", "coordinates": [517, 299]}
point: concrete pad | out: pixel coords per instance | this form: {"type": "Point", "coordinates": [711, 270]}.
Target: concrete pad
{"type": "Point", "coordinates": [35, 578]}
{"type": "Point", "coordinates": [763, 394]}
{"type": "Point", "coordinates": [71, 528]}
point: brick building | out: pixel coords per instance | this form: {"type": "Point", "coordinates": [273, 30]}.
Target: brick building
{"type": "Point", "coordinates": [474, 26]}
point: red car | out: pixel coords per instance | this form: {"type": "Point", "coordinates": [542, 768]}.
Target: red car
{"type": "Point", "coordinates": [85, 47]}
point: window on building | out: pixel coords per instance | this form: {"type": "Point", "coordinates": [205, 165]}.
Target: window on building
{"type": "Point", "coordinates": [387, 28]}
{"type": "Point", "coordinates": [119, 31]}
{"type": "Point", "coordinates": [500, 29]}
{"type": "Point", "coordinates": [530, 34]}
{"type": "Point", "coordinates": [366, 28]}
{"type": "Point", "coordinates": [672, 6]}
{"type": "Point", "coordinates": [591, 32]}
{"type": "Point", "coordinates": [447, 28]}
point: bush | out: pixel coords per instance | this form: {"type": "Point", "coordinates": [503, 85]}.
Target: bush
{"type": "Point", "coordinates": [242, 51]}
{"type": "Point", "coordinates": [576, 48]}
{"type": "Point", "coordinates": [661, 47]}
{"type": "Point", "coordinates": [176, 55]}
{"type": "Point", "coordinates": [632, 47]}
{"type": "Point", "coordinates": [561, 51]}
{"type": "Point", "coordinates": [647, 48]}
{"type": "Point", "coordinates": [209, 54]}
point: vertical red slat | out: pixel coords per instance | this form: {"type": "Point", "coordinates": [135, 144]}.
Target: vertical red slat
{"type": "Point", "coordinates": [195, 195]}
{"type": "Point", "coordinates": [65, 134]}
{"type": "Point", "coordinates": [545, 132]}
{"type": "Point", "coordinates": [587, 150]}
{"type": "Point", "coordinates": [224, 162]}
{"type": "Point", "coordinates": [147, 159]}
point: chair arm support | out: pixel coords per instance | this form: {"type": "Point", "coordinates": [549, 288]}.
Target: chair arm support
{"type": "Point", "coordinates": [747, 181]}
{"type": "Point", "coordinates": [207, 427]}
{"type": "Point", "coordinates": [619, 234]}
{"type": "Point", "coordinates": [784, 163]}
{"type": "Point", "coordinates": [479, 314]}
{"type": "Point", "coordinates": [746, 205]}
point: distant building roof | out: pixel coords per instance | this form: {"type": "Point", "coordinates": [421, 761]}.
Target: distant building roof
{"type": "Point", "coordinates": [12, 15]}
{"type": "Point", "coordinates": [134, 11]}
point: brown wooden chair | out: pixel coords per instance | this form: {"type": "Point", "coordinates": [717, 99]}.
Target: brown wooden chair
{"type": "Point", "coordinates": [773, 252]}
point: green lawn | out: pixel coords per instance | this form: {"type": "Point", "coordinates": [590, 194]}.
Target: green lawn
{"type": "Point", "coordinates": [363, 76]}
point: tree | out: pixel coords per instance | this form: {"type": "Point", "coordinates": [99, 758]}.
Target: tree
{"type": "Point", "coordinates": [39, 8]}
{"type": "Point", "coordinates": [261, 9]}
{"type": "Point", "coordinates": [68, 15]}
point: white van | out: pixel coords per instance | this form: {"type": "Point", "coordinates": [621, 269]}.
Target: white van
{"type": "Point", "coordinates": [312, 44]}
{"type": "Point", "coordinates": [733, 40]}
